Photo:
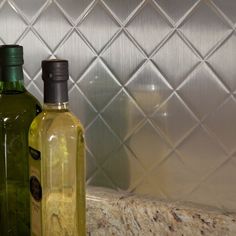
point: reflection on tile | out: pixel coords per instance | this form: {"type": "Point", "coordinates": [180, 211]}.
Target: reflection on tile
{"type": "Point", "coordinates": [99, 85]}
{"type": "Point", "coordinates": [149, 147]}
{"type": "Point", "coordinates": [202, 33]}
{"type": "Point", "coordinates": [123, 57]}
{"type": "Point", "coordinates": [123, 168]}
{"type": "Point", "coordinates": [148, 27]}
{"type": "Point", "coordinates": [98, 22]}
{"type": "Point", "coordinates": [171, 111]}
{"type": "Point", "coordinates": [222, 123]}
{"type": "Point", "coordinates": [175, 60]}
{"type": "Point", "coordinates": [149, 88]}
{"type": "Point", "coordinates": [122, 115]}
{"type": "Point", "coordinates": [202, 85]}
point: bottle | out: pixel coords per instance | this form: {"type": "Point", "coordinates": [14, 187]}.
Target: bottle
{"type": "Point", "coordinates": [17, 110]}
{"type": "Point", "coordinates": [57, 160]}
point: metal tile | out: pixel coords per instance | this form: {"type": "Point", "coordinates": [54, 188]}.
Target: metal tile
{"type": "Point", "coordinates": [11, 24]}
{"type": "Point", "coordinates": [177, 55]}
{"type": "Point", "coordinates": [99, 85]}
{"type": "Point", "coordinates": [98, 27]}
{"type": "Point", "coordinates": [204, 28]}
{"type": "Point", "coordinates": [52, 25]}
{"type": "Point", "coordinates": [149, 88]}
{"type": "Point", "coordinates": [171, 111]}
{"type": "Point", "coordinates": [148, 27]}
{"type": "Point", "coordinates": [122, 115]}
{"type": "Point", "coordinates": [197, 88]}
{"type": "Point", "coordinates": [123, 58]}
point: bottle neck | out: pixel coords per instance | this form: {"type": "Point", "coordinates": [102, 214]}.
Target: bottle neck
{"type": "Point", "coordinates": [11, 79]}
{"type": "Point", "coordinates": [56, 106]}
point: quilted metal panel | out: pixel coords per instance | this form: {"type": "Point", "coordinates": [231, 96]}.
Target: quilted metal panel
{"type": "Point", "coordinates": [153, 82]}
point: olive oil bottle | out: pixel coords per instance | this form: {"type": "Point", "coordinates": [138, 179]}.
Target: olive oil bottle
{"type": "Point", "coordinates": [17, 110]}
{"type": "Point", "coordinates": [57, 160]}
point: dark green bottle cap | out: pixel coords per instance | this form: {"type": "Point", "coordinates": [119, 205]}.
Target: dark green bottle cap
{"type": "Point", "coordinates": [11, 55]}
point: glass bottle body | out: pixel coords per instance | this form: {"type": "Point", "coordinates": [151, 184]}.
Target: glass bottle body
{"type": "Point", "coordinates": [17, 110]}
{"type": "Point", "coordinates": [57, 137]}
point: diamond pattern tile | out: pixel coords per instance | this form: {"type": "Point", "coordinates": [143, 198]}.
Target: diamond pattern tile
{"type": "Point", "coordinates": [99, 85]}
{"type": "Point", "coordinates": [175, 52]}
{"type": "Point", "coordinates": [11, 24]}
{"type": "Point", "coordinates": [123, 58]}
{"type": "Point", "coordinates": [164, 119]}
{"type": "Point", "coordinates": [123, 168]}
{"type": "Point", "coordinates": [226, 70]}
{"type": "Point", "coordinates": [30, 8]}
{"type": "Point", "coordinates": [122, 9]}
{"type": "Point", "coordinates": [200, 84]}
{"type": "Point", "coordinates": [149, 88]}
{"type": "Point", "coordinates": [127, 117]}
{"type": "Point", "coordinates": [148, 28]}
{"type": "Point", "coordinates": [81, 107]}
{"type": "Point", "coordinates": [170, 176]}
{"type": "Point", "coordinates": [32, 62]}
{"type": "Point", "coordinates": [173, 9]}
{"type": "Point", "coordinates": [222, 123]}
{"type": "Point", "coordinates": [227, 7]}
{"type": "Point", "coordinates": [200, 153]}
{"type": "Point", "coordinates": [77, 53]}
{"type": "Point", "coordinates": [98, 22]}
{"type": "Point", "coordinates": [153, 82]}
{"type": "Point", "coordinates": [52, 25]}
{"type": "Point", "coordinates": [74, 8]}
{"type": "Point", "coordinates": [204, 34]}
{"type": "Point", "coordinates": [108, 141]}
{"type": "Point", "coordinates": [148, 145]}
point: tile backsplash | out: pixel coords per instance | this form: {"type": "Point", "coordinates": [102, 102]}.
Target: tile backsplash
{"type": "Point", "coordinates": [153, 82]}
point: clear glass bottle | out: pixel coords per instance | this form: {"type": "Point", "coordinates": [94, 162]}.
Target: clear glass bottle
{"type": "Point", "coordinates": [17, 110]}
{"type": "Point", "coordinates": [57, 160]}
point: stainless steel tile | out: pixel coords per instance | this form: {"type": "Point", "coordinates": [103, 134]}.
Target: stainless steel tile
{"type": "Point", "coordinates": [11, 24]}
{"type": "Point", "coordinates": [99, 85]}
{"type": "Point", "coordinates": [108, 141]}
{"type": "Point", "coordinates": [222, 123]}
{"type": "Point", "coordinates": [176, 9]}
{"type": "Point", "coordinates": [32, 62]}
{"type": "Point", "coordinates": [175, 60]}
{"type": "Point", "coordinates": [204, 28]}
{"type": "Point", "coordinates": [123, 58]}
{"type": "Point", "coordinates": [226, 68]}
{"type": "Point", "coordinates": [166, 116]}
{"type": "Point", "coordinates": [98, 27]}
{"type": "Point", "coordinates": [122, 9]}
{"type": "Point", "coordinates": [148, 27]}
{"type": "Point", "coordinates": [76, 51]}
{"type": "Point", "coordinates": [122, 115]}
{"type": "Point", "coordinates": [202, 85]}
{"type": "Point", "coordinates": [148, 146]}
{"type": "Point", "coordinates": [52, 25]}
{"type": "Point", "coordinates": [149, 88]}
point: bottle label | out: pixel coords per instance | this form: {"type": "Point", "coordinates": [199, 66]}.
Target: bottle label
{"type": "Point", "coordinates": [36, 192]}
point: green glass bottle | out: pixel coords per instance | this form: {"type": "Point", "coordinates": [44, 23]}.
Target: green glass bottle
{"type": "Point", "coordinates": [17, 110]}
{"type": "Point", "coordinates": [57, 160]}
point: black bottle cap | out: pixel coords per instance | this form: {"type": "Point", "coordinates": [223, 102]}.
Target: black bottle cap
{"type": "Point", "coordinates": [55, 75]}
{"type": "Point", "coordinates": [11, 55]}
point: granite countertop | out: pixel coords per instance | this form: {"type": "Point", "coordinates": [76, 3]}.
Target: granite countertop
{"type": "Point", "coordinates": [113, 213]}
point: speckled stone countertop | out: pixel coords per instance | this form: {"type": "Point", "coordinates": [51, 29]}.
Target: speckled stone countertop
{"type": "Point", "coordinates": [112, 213]}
